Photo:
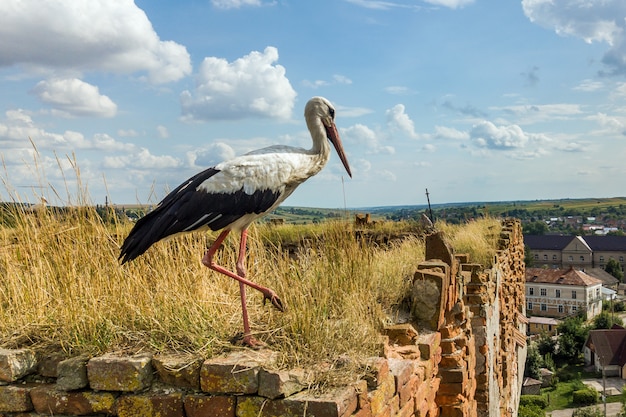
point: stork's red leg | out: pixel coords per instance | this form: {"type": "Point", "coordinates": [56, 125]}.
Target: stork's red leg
{"type": "Point", "coordinates": [240, 276]}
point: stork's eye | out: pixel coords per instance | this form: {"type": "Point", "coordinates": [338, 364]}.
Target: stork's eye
{"type": "Point", "coordinates": [332, 112]}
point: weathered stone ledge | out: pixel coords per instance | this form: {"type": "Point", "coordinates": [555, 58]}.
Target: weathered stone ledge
{"type": "Point", "coordinates": [241, 383]}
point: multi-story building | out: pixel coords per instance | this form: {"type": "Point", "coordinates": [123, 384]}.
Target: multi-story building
{"type": "Point", "coordinates": [561, 293]}
{"type": "Point", "coordinates": [580, 252]}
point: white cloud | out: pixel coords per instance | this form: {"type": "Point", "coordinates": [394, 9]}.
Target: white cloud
{"type": "Point", "coordinates": [592, 21]}
{"type": "Point", "coordinates": [250, 86]}
{"type": "Point", "coordinates": [127, 133]}
{"type": "Point", "coordinates": [210, 155]}
{"type": "Point", "coordinates": [141, 159]}
{"type": "Point", "coordinates": [452, 4]}
{"type": "Point", "coordinates": [589, 86]}
{"type": "Point", "coordinates": [365, 137]}
{"type": "Point", "coordinates": [75, 98]}
{"type": "Point", "coordinates": [98, 35]}
{"type": "Point", "coordinates": [509, 138]}
{"type": "Point", "coordinates": [163, 132]}
{"type": "Point", "coordinates": [397, 119]}
{"type": "Point", "coordinates": [536, 113]}
{"type": "Point", "coordinates": [336, 79]}
{"type": "Point", "coordinates": [442, 132]}
{"type": "Point", "coordinates": [234, 4]}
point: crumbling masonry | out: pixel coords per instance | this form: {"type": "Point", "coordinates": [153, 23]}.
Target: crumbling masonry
{"type": "Point", "coordinates": [465, 359]}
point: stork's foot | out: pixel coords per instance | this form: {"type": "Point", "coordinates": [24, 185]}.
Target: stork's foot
{"type": "Point", "coordinates": [270, 295]}
{"type": "Point", "coordinates": [248, 341]}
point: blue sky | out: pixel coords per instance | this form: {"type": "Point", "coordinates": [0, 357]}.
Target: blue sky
{"type": "Point", "coordinates": [476, 100]}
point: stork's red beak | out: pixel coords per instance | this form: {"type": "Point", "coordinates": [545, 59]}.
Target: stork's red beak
{"type": "Point", "coordinates": [333, 136]}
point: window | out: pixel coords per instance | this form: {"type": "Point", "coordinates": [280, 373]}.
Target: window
{"type": "Point", "coordinates": [530, 306]}
{"type": "Point", "coordinates": [570, 258]}
{"type": "Point", "coordinates": [621, 259]}
{"type": "Point", "coordinates": [554, 257]}
{"type": "Point", "coordinates": [574, 309]}
{"type": "Point", "coordinates": [544, 307]}
{"type": "Point", "coordinates": [531, 291]}
{"type": "Point", "coordinates": [601, 258]}
{"type": "Point", "coordinates": [574, 295]}
{"type": "Point", "coordinates": [597, 292]}
{"type": "Point", "coordinates": [582, 258]}
{"type": "Point", "coordinates": [536, 257]}
{"type": "Point", "coordinates": [544, 292]}
{"type": "Point", "coordinates": [561, 309]}
{"type": "Point", "coordinates": [545, 257]}
{"type": "Point", "coordinates": [558, 293]}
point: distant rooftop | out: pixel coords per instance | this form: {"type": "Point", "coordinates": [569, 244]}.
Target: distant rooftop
{"type": "Point", "coordinates": [561, 277]}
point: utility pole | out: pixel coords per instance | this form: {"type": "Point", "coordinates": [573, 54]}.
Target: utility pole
{"type": "Point", "coordinates": [430, 210]}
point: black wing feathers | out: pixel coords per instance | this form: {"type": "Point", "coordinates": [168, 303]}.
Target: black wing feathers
{"type": "Point", "coordinates": [186, 209]}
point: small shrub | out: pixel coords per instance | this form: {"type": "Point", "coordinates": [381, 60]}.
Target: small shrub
{"type": "Point", "coordinates": [530, 410]}
{"type": "Point", "coordinates": [587, 396]}
{"type": "Point", "coordinates": [537, 400]}
{"type": "Point", "coordinates": [588, 412]}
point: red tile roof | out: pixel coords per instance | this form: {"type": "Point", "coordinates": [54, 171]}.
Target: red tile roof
{"type": "Point", "coordinates": [560, 276]}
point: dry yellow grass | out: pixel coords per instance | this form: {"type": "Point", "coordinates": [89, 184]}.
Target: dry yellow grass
{"type": "Point", "coordinates": [63, 286]}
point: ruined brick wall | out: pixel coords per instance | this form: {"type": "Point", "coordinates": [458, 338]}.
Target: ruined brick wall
{"type": "Point", "coordinates": [462, 355]}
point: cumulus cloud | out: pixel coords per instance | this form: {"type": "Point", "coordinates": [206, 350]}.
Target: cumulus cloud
{"type": "Point", "coordinates": [600, 21]}
{"type": "Point", "coordinates": [508, 138]}
{"type": "Point", "coordinates": [365, 137]}
{"type": "Point", "coordinates": [251, 86]}
{"type": "Point", "coordinates": [398, 120]}
{"type": "Point", "coordinates": [74, 98]}
{"type": "Point", "coordinates": [98, 35]}
{"type": "Point", "coordinates": [210, 155]}
{"type": "Point", "coordinates": [141, 159]}
{"type": "Point", "coordinates": [443, 132]}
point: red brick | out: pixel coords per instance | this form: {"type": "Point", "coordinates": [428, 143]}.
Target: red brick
{"type": "Point", "coordinates": [214, 406]}
{"type": "Point", "coordinates": [376, 370]}
{"type": "Point", "coordinates": [402, 370]}
{"type": "Point", "coordinates": [149, 405]}
{"type": "Point", "coordinates": [47, 400]}
{"type": "Point", "coordinates": [15, 398]}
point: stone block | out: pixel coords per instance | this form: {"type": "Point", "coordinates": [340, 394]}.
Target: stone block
{"type": "Point", "coordinates": [380, 397]}
{"type": "Point", "coordinates": [49, 401]}
{"type": "Point", "coordinates": [337, 402]}
{"type": "Point", "coordinates": [47, 364]}
{"type": "Point", "coordinates": [72, 374]}
{"type": "Point", "coordinates": [120, 373]}
{"type": "Point", "coordinates": [376, 370]}
{"type": "Point", "coordinates": [406, 410]}
{"type": "Point", "coordinates": [428, 344]}
{"type": "Point", "coordinates": [402, 370]}
{"type": "Point", "coordinates": [205, 405]}
{"type": "Point", "coordinates": [340, 402]}
{"type": "Point", "coordinates": [15, 398]}
{"type": "Point", "coordinates": [278, 384]}
{"type": "Point", "coordinates": [401, 334]}
{"type": "Point", "coordinates": [429, 294]}
{"type": "Point", "coordinates": [16, 363]}
{"type": "Point", "coordinates": [234, 373]}
{"type": "Point", "coordinates": [150, 405]}
{"type": "Point", "coordinates": [179, 370]}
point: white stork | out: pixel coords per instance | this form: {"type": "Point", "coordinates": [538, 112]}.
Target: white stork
{"type": "Point", "coordinates": [232, 194]}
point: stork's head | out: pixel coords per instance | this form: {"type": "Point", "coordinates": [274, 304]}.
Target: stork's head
{"type": "Point", "coordinates": [319, 107]}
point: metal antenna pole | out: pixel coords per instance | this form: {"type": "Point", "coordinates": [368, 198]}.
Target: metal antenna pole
{"type": "Point", "coordinates": [430, 210]}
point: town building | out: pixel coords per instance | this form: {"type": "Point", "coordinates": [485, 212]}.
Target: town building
{"type": "Point", "coordinates": [580, 252]}
{"type": "Point", "coordinates": [561, 293]}
{"type": "Point", "coordinates": [605, 349]}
